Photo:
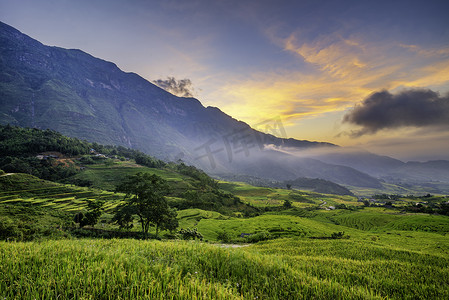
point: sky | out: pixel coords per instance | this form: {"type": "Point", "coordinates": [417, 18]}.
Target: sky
{"type": "Point", "coordinates": [368, 74]}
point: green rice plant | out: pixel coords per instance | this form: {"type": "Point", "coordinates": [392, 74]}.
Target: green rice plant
{"type": "Point", "coordinates": [129, 269]}
{"type": "Point", "coordinates": [278, 269]}
{"type": "Point", "coordinates": [276, 225]}
{"type": "Point", "coordinates": [387, 270]}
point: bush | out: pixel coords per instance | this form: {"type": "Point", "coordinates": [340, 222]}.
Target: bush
{"type": "Point", "coordinates": [87, 160]}
{"type": "Point", "coordinates": [260, 236]}
{"type": "Point", "coordinates": [94, 211]}
{"type": "Point", "coordinates": [341, 206]}
{"type": "Point", "coordinates": [224, 237]}
{"type": "Point", "coordinates": [188, 234]}
{"type": "Point", "coordinates": [2, 172]}
{"type": "Point", "coordinates": [9, 229]}
{"type": "Point", "coordinates": [339, 235]}
{"type": "Point", "coordinates": [287, 204]}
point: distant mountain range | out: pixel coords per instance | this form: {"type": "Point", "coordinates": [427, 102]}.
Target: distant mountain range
{"type": "Point", "coordinates": [82, 96]}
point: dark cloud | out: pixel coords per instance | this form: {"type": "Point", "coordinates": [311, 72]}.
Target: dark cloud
{"type": "Point", "coordinates": [383, 110]}
{"type": "Point", "coordinates": [181, 88]}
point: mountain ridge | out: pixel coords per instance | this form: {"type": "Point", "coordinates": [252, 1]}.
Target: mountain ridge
{"type": "Point", "coordinates": [81, 96]}
{"type": "Point", "coordinates": [108, 78]}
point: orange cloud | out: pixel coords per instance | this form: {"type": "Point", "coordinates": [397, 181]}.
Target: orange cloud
{"type": "Point", "coordinates": [340, 73]}
{"type": "Point", "coordinates": [444, 51]}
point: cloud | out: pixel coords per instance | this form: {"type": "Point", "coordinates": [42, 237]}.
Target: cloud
{"type": "Point", "coordinates": [414, 107]}
{"type": "Point", "coordinates": [336, 73]}
{"type": "Point", "coordinates": [181, 88]}
{"type": "Point", "coordinates": [333, 72]}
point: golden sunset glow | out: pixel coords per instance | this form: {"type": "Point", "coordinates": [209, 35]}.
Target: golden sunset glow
{"type": "Point", "coordinates": [344, 72]}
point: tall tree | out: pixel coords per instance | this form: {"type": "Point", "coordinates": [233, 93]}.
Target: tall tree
{"type": "Point", "coordinates": [145, 197]}
{"type": "Point", "coordinates": [94, 211]}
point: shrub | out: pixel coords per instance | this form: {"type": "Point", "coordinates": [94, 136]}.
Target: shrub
{"type": "Point", "coordinates": [339, 235]}
{"type": "Point", "coordinates": [224, 237]}
{"type": "Point", "coordinates": [9, 229]}
{"type": "Point", "coordinates": [287, 204]}
{"type": "Point", "coordinates": [260, 236]}
{"type": "Point", "coordinates": [188, 234]}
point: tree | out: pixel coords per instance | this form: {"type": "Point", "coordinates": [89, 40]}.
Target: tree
{"type": "Point", "coordinates": [287, 204]}
{"type": "Point", "coordinates": [124, 216]}
{"type": "Point", "coordinates": [94, 211]}
{"type": "Point", "coordinates": [188, 234]}
{"type": "Point", "coordinates": [145, 197]}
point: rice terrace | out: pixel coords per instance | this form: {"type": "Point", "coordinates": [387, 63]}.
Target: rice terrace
{"type": "Point", "coordinates": [294, 247]}
{"type": "Point", "coordinates": [197, 149]}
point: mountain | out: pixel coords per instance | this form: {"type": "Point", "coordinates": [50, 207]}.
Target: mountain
{"type": "Point", "coordinates": [416, 172]}
{"type": "Point", "coordinates": [319, 186]}
{"type": "Point", "coordinates": [81, 96]}
{"type": "Point", "coordinates": [433, 176]}
{"type": "Point", "coordinates": [358, 159]}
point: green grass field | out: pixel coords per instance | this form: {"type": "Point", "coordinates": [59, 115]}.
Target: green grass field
{"type": "Point", "coordinates": [34, 191]}
{"type": "Point", "coordinates": [107, 176]}
{"type": "Point", "coordinates": [385, 253]}
{"type": "Point", "coordinates": [264, 196]}
{"type": "Point", "coordinates": [294, 268]}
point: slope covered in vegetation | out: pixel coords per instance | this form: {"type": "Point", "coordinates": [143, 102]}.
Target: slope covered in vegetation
{"type": "Point", "coordinates": [273, 243]}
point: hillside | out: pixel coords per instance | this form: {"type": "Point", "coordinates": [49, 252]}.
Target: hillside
{"type": "Point", "coordinates": [120, 179]}
{"type": "Point", "coordinates": [257, 242]}
{"type": "Point", "coordinates": [81, 96]}
{"type": "Point", "coordinates": [72, 161]}
{"type": "Point", "coordinates": [430, 176]}
{"type": "Point", "coordinates": [319, 186]}
{"type": "Point", "coordinates": [358, 253]}
{"type": "Point", "coordinates": [302, 183]}
{"type": "Point", "coordinates": [50, 155]}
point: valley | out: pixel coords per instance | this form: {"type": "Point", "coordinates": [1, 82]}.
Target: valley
{"type": "Point", "coordinates": [297, 243]}
{"type": "Point", "coordinates": [114, 188]}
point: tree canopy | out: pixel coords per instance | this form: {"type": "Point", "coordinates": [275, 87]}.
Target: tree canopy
{"type": "Point", "coordinates": [145, 198]}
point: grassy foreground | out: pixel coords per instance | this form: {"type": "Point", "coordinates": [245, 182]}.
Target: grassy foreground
{"type": "Point", "coordinates": [279, 269]}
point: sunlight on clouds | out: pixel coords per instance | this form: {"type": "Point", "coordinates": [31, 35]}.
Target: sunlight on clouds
{"type": "Point", "coordinates": [338, 59]}
{"type": "Point", "coordinates": [344, 72]}
{"type": "Point", "coordinates": [291, 96]}
{"type": "Point", "coordinates": [436, 74]}
{"type": "Point", "coordinates": [444, 51]}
